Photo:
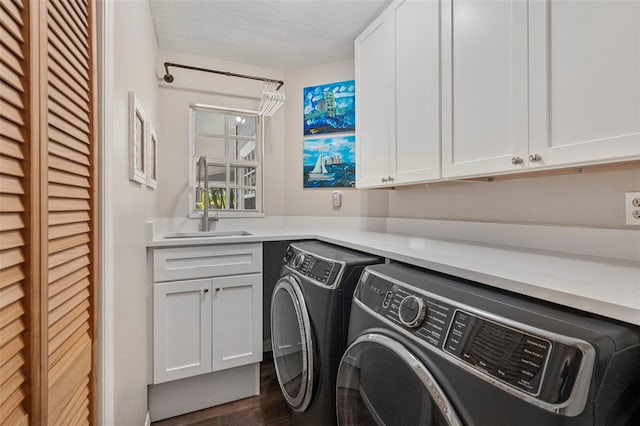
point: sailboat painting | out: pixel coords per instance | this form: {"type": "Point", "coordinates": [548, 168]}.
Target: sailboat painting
{"type": "Point", "coordinates": [330, 108]}
{"type": "Point", "coordinates": [329, 162]}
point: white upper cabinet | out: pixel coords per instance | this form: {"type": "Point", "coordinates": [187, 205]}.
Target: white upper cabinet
{"type": "Point", "coordinates": [484, 87]}
{"type": "Point", "coordinates": [416, 156]}
{"type": "Point", "coordinates": [585, 81]}
{"type": "Point", "coordinates": [374, 101]}
{"type": "Point", "coordinates": [398, 101]}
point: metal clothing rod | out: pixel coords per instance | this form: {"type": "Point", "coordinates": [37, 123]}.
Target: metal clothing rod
{"type": "Point", "coordinates": [169, 78]}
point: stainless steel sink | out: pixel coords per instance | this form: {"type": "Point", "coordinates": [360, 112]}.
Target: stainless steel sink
{"type": "Point", "coordinates": [207, 234]}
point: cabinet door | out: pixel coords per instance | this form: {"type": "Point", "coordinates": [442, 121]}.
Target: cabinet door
{"type": "Point", "coordinates": [417, 81]}
{"type": "Point", "coordinates": [237, 321]}
{"type": "Point", "coordinates": [484, 86]}
{"type": "Point", "coordinates": [375, 101]}
{"type": "Point", "coordinates": [585, 81]}
{"type": "Point", "coordinates": [181, 329]}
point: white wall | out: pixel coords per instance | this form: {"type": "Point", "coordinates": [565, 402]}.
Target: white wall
{"type": "Point", "coordinates": [134, 56]}
{"type": "Point", "coordinates": [317, 201]}
{"type": "Point", "coordinates": [587, 199]}
{"type": "Point", "coordinates": [173, 133]}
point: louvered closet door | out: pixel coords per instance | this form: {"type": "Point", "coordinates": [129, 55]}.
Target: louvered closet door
{"type": "Point", "coordinates": [70, 182]}
{"type": "Point", "coordinates": [14, 220]}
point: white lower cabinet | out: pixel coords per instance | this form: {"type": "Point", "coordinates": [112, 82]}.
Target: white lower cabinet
{"type": "Point", "coordinates": [181, 329]}
{"type": "Point", "coordinates": [207, 324]}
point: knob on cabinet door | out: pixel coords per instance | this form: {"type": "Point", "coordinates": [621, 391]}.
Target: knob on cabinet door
{"type": "Point", "coordinates": [384, 180]}
{"type": "Point", "coordinates": [516, 160]}
{"type": "Point", "coordinates": [535, 157]}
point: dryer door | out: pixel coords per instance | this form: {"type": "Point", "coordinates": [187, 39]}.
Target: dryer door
{"type": "Point", "coordinates": [381, 383]}
{"type": "Point", "coordinates": [292, 343]}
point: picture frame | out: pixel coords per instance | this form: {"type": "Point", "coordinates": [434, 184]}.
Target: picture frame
{"type": "Point", "coordinates": [152, 156]}
{"type": "Point", "coordinates": [329, 162]}
{"type": "Point", "coordinates": [329, 108]}
{"type": "Point", "coordinates": [137, 141]}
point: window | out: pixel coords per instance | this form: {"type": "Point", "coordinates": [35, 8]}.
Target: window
{"type": "Point", "coordinates": [231, 140]}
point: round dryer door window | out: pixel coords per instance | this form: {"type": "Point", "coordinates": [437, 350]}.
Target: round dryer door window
{"type": "Point", "coordinates": [381, 383]}
{"type": "Point", "coordinates": [292, 343]}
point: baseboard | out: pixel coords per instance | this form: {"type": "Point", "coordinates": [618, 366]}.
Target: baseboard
{"type": "Point", "coordinates": [147, 419]}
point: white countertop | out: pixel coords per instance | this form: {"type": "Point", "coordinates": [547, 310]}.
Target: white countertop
{"type": "Point", "coordinates": [601, 285]}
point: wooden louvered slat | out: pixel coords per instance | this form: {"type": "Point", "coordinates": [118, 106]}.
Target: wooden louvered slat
{"type": "Point", "coordinates": [61, 231]}
{"type": "Point", "coordinates": [10, 166]}
{"type": "Point", "coordinates": [58, 25]}
{"type": "Point", "coordinates": [11, 149]}
{"type": "Point", "coordinates": [67, 217]}
{"type": "Point", "coordinates": [73, 24]}
{"type": "Point", "coordinates": [68, 179]}
{"type": "Point", "coordinates": [11, 60]}
{"type": "Point", "coordinates": [10, 95]}
{"type": "Point", "coordinates": [11, 349]}
{"type": "Point", "coordinates": [11, 385]}
{"type": "Point", "coordinates": [8, 259]}
{"type": "Point", "coordinates": [68, 409]}
{"type": "Point", "coordinates": [11, 130]}
{"type": "Point", "coordinates": [11, 113]}
{"type": "Point", "coordinates": [10, 41]}
{"type": "Point", "coordinates": [61, 244]}
{"type": "Point", "coordinates": [11, 312]}
{"type": "Point", "coordinates": [18, 417]}
{"type": "Point", "coordinates": [71, 78]}
{"type": "Point", "coordinates": [12, 331]}
{"type": "Point", "coordinates": [14, 10]}
{"type": "Point", "coordinates": [63, 54]}
{"type": "Point", "coordinates": [67, 141]}
{"type": "Point", "coordinates": [78, 410]}
{"type": "Point", "coordinates": [66, 204]}
{"type": "Point", "coordinates": [66, 94]}
{"type": "Point", "coordinates": [10, 276]}
{"type": "Point", "coordinates": [10, 221]}
{"type": "Point", "coordinates": [81, 333]}
{"type": "Point", "coordinates": [9, 367]}
{"type": "Point", "coordinates": [67, 281]}
{"type": "Point", "coordinates": [65, 165]}
{"type": "Point", "coordinates": [11, 77]}
{"type": "Point", "coordinates": [11, 185]}
{"type": "Point", "coordinates": [70, 297]}
{"type": "Point", "coordinates": [63, 113]}
{"type": "Point", "coordinates": [63, 329]}
{"type": "Point", "coordinates": [71, 17]}
{"type": "Point", "coordinates": [63, 125]}
{"type": "Point", "coordinates": [69, 373]}
{"type": "Point", "coordinates": [10, 23]}
{"type": "Point", "coordinates": [56, 273]}
{"type": "Point", "coordinates": [13, 401]}
{"type": "Point", "coordinates": [11, 240]}
{"type": "Point", "coordinates": [65, 256]}
{"type": "Point", "coordinates": [64, 309]}
{"type": "Point", "coordinates": [11, 203]}
{"type": "Point", "coordinates": [65, 191]}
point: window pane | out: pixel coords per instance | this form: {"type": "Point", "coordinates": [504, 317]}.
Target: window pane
{"type": "Point", "coordinates": [212, 148]}
{"type": "Point", "coordinates": [209, 122]}
{"type": "Point", "coordinates": [240, 125]}
{"type": "Point", "coordinates": [217, 199]}
{"type": "Point", "coordinates": [242, 176]}
{"type": "Point", "coordinates": [242, 199]}
{"type": "Point", "coordinates": [244, 150]}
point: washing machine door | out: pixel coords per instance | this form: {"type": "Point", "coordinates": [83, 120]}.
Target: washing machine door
{"type": "Point", "coordinates": [292, 343]}
{"type": "Point", "coordinates": [381, 383]}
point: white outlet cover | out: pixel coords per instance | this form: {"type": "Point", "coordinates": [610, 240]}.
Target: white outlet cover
{"type": "Point", "coordinates": [336, 199]}
{"type": "Point", "coordinates": [629, 207]}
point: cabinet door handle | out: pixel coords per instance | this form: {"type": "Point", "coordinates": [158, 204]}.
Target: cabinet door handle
{"type": "Point", "coordinates": [206, 290]}
{"type": "Point", "coordinates": [217, 289]}
{"type": "Point", "coordinates": [390, 179]}
{"type": "Point", "coordinates": [384, 180]}
{"type": "Point", "coordinates": [516, 160]}
{"type": "Point", "coordinates": [535, 157]}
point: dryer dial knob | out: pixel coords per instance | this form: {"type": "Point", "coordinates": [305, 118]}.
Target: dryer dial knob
{"type": "Point", "coordinates": [412, 311]}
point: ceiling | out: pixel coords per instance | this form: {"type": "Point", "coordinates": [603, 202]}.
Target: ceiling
{"type": "Point", "coordinates": [281, 35]}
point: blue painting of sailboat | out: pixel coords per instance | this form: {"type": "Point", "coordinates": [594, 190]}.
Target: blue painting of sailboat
{"type": "Point", "coordinates": [330, 108]}
{"type": "Point", "coordinates": [329, 162]}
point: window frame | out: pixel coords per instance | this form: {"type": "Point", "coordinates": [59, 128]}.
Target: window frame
{"type": "Point", "coordinates": [258, 164]}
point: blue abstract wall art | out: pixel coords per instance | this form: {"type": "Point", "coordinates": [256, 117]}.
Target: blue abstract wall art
{"type": "Point", "coordinates": [330, 108]}
{"type": "Point", "coordinates": [329, 162]}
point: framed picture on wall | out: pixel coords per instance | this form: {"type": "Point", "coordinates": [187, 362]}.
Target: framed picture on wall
{"type": "Point", "coordinates": [152, 156]}
{"type": "Point", "coordinates": [137, 141]}
{"type": "Point", "coordinates": [329, 162]}
{"type": "Point", "coordinates": [330, 108]}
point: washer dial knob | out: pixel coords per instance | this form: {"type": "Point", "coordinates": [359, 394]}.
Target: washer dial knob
{"type": "Point", "coordinates": [298, 261]}
{"type": "Point", "coordinates": [412, 311]}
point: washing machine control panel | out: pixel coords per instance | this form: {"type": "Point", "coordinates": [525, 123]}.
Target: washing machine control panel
{"type": "Point", "coordinates": [320, 270]}
{"type": "Point", "coordinates": [490, 347]}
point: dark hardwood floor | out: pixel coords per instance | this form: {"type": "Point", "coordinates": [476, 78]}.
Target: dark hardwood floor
{"type": "Point", "coordinates": [268, 408]}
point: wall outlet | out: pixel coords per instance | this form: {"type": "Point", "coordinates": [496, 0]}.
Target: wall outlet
{"type": "Point", "coordinates": [632, 208]}
{"type": "Point", "coordinates": [336, 199]}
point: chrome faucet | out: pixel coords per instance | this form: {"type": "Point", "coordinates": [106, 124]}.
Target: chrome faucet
{"type": "Point", "coordinates": [203, 179]}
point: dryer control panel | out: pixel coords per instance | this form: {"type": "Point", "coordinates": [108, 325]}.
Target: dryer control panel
{"type": "Point", "coordinates": [322, 271]}
{"type": "Point", "coordinates": [488, 346]}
